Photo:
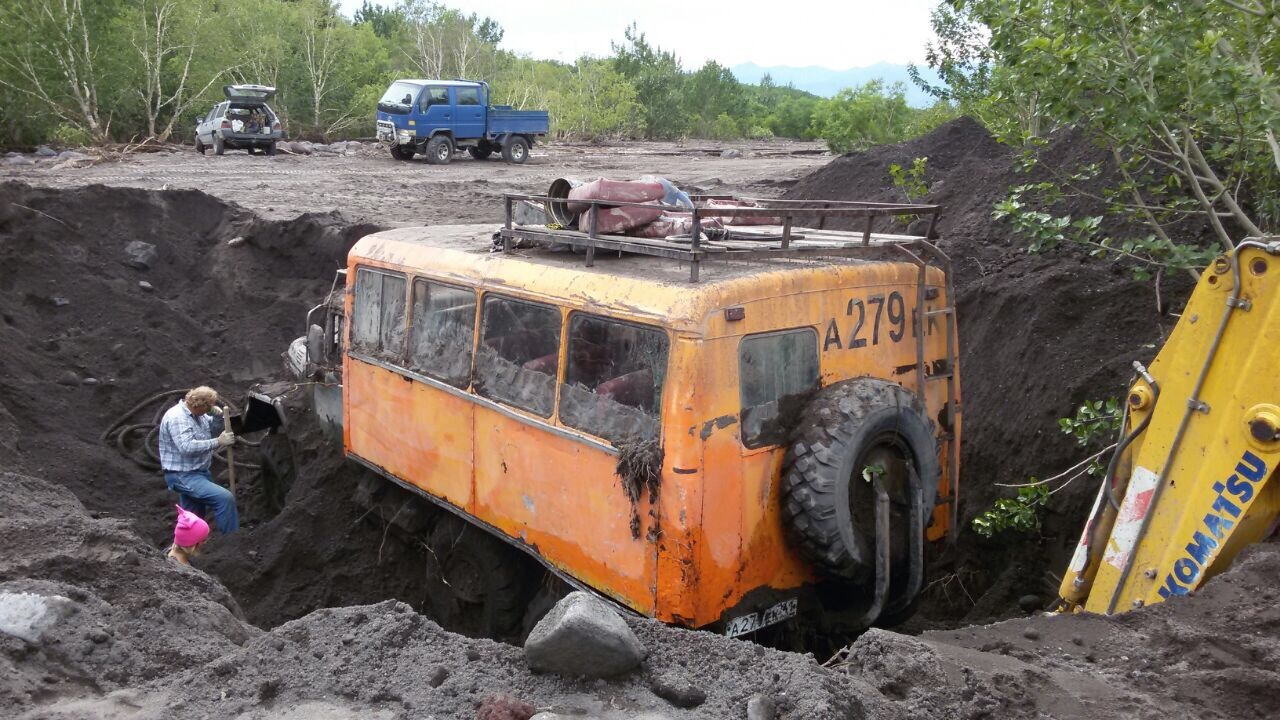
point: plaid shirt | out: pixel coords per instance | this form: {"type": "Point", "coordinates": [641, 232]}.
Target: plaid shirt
{"type": "Point", "coordinates": [187, 442]}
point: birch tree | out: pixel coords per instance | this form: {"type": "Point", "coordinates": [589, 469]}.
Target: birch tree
{"type": "Point", "coordinates": [167, 62]}
{"type": "Point", "coordinates": [53, 58]}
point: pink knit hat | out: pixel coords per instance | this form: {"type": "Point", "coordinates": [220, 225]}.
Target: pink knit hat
{"type": "Point", "coordinates": [191, 529]}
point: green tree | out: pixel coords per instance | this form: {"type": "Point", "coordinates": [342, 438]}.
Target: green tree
{"type": "Point", "coordinates": [58, 55]}
{"type": "Point", "coordinates": [710, 94]}
{"type": "Point", "coordinates": [858, 118]}
{"type": "Point", "coordinates": [658, 80]}
{"type": "Point", "coordinates": [1184, 96]}
{"type": "Point", "coordinates": [596, 101]}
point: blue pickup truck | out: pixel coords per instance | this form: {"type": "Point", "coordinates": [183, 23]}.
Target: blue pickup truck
{"type": "Point", "coordinates": [440, 117]}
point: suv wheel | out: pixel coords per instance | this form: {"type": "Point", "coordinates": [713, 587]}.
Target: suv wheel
{"type": "Point", "coordinates": [200, 148]}
{"type": "Point", "coordinates": [439, 150]}
{"type": "Point", "coordinates": [219, 147]}
{"type": "Point", "coordinates": [270, 149]}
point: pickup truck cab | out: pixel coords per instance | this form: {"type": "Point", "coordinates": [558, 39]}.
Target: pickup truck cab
{"type": "Point", "coordinates": [440, 117]}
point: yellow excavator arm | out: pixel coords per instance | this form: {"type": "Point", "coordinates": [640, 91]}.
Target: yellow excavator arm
{"type": "Point", "coordinates": [1193, 478]}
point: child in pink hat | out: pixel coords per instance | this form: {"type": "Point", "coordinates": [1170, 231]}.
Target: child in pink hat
{"type": "Point", "coordinates": [188, 535]}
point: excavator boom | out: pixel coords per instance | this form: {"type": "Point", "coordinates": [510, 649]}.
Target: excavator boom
{"type": "Point", "coordinates": [1193, 480]}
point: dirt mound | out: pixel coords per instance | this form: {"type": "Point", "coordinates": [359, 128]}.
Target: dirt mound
{"type": "Point", "coordinates": [128, 634]}
{"type": "Point", "coordinates": [1039, 334]}
{"type": "Point", "coordinates": [111, 611]}
{"type": "Point", "coordinates": [1211, 655]}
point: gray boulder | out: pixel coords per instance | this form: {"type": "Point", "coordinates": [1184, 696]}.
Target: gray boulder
{"type": "Point", "coordinates": [139, 255]}
{"type": "Point", "coordinates": [731, 154]}
{"type": "Point", "coordinates": [583, 636]}
{"type": "Point", "coordinates": [46, 151]}
{"type": "Point", "coordinates": [302, 147]}
{"type": "Point", "coordinates": [19, 160]}
{"type": "Point", "coordinates": [72, 155]}
{"type": "Point", "coordinates": [338, 147]}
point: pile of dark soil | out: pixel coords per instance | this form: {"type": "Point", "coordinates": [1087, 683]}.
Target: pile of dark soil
{"type": "Point", "coordinates": [82, 340]}
{"type": "Point", "coordinates": [1212, 655]}
{"type": "Point", "coordinates": [116, 613]}
{"type": "Point", "coordinates": [1039, 335]}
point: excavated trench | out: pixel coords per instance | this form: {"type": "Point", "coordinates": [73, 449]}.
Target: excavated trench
{"type": "Point", "coordinates": [90, 329]}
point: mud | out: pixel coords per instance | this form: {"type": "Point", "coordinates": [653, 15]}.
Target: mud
{"type": "Point", "coordinates": [256, 630]}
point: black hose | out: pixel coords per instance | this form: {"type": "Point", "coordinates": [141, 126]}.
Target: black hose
{"type": "Point", "coordinates": [122, 429]}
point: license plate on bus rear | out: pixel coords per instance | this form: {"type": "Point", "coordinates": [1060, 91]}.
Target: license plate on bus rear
{"type": "Point", "coordinates": [744, 624]}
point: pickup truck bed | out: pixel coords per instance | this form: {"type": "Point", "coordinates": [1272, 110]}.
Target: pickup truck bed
{"type": "Point", "coordinates": [505, 121]}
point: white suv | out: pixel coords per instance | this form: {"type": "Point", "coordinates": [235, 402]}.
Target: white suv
{"type": "Point", "coordinates": [244, 120]}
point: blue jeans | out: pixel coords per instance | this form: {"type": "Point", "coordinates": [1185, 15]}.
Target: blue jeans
{"type": "Point", "coordinates": [198, 493]}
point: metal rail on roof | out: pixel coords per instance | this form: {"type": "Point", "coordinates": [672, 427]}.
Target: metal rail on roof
{"type": "Point", "coordinates": [747, 242]}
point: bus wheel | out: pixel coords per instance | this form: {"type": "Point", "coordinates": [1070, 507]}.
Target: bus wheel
{"type": "Point", "coordinates": [478, 585]}
{"type": "Point", "coordinates": [278, 470]}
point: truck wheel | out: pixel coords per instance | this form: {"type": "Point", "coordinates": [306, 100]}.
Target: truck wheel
{"type": "Point", "coordinates": [277, 469]}
{"type": "Point", "coordinates": [402, 152]}
{"type": "Point", "coordinates": [515, 150]}
{"type": "Point", "coordinates": [200, 147]}
{"type": "Point", "coordinates": [270, 149]}
{"type": "Point", "coordinates": [219, 147]}
{"type": "Point", "coordinates": [480, 152]}
{"type": "Point", "coordinates": [828, 507]}
{"type": "Point", "coordinates": [439, 150]}
{"type": "Point", "coordinates": [479, 586]}
{"type": "Point", "coordinates": [251, 150]}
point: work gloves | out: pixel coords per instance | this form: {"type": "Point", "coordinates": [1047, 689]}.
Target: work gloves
{"type": "Point", "coordinates": [226, 438]}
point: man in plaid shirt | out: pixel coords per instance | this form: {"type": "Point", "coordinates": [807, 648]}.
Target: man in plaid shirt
{"type": "Point", "coordinates": [189, 434]}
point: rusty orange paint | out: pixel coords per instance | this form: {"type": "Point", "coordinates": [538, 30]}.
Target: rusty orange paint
{"type": "Point", "coordinates": [715, 532]}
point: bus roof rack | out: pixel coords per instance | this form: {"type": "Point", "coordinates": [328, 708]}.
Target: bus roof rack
{"type": "Point", "coordinates": [776, 230]}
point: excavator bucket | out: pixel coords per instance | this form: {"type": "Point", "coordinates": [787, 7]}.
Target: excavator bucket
{"type": "Point", "coordinates": [1194, 478]}
{"type": "Point", "coordinates": [261, 412]}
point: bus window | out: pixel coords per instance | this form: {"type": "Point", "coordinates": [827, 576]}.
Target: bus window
{"type": "Point", "coordinates": [444, 319]}
{"type": "Point", "coordinates": [377, 327]}
{"type": "Point", "coordinates": [613, 382]}
{"type": "Point", "coordinates": [519, 353]}
{"type": "Point", "coordinates": [776, 374]}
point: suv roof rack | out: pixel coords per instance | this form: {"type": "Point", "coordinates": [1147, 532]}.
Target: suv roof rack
{"type": "Point", "coordinates": [783, 238]}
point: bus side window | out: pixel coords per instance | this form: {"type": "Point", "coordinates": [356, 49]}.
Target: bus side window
{"type": "Point", "coordinates": [378, 325]}
{"type": "Point", "coordinates": [519, 353]}
{"type": "Point", "coordinates": [444, 319]}
{"type": "Point", "coordinates": [613, 382]}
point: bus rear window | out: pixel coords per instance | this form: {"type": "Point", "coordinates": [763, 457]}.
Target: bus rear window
{"type": "Point", "coordinates": [776, 374]}
{"type": "Point", "coordinates": [378, 322]}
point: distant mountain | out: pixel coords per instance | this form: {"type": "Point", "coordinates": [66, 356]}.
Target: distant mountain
{"type": "Point", "coordinates": [825, 82]}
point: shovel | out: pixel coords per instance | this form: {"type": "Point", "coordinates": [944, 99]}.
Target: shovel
{"type": "Point", "coordinates": [231, 455]}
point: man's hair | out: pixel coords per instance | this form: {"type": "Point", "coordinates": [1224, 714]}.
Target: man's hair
{"type": "Point", "coordinates": [201, 397]}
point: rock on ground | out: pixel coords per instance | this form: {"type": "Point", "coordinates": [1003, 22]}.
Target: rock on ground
{"type": "Point", "coordinates": [583, 636]}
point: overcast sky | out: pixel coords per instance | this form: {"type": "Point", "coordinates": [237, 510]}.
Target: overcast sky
{"type": "Point", "coordinates": [828, 33]}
